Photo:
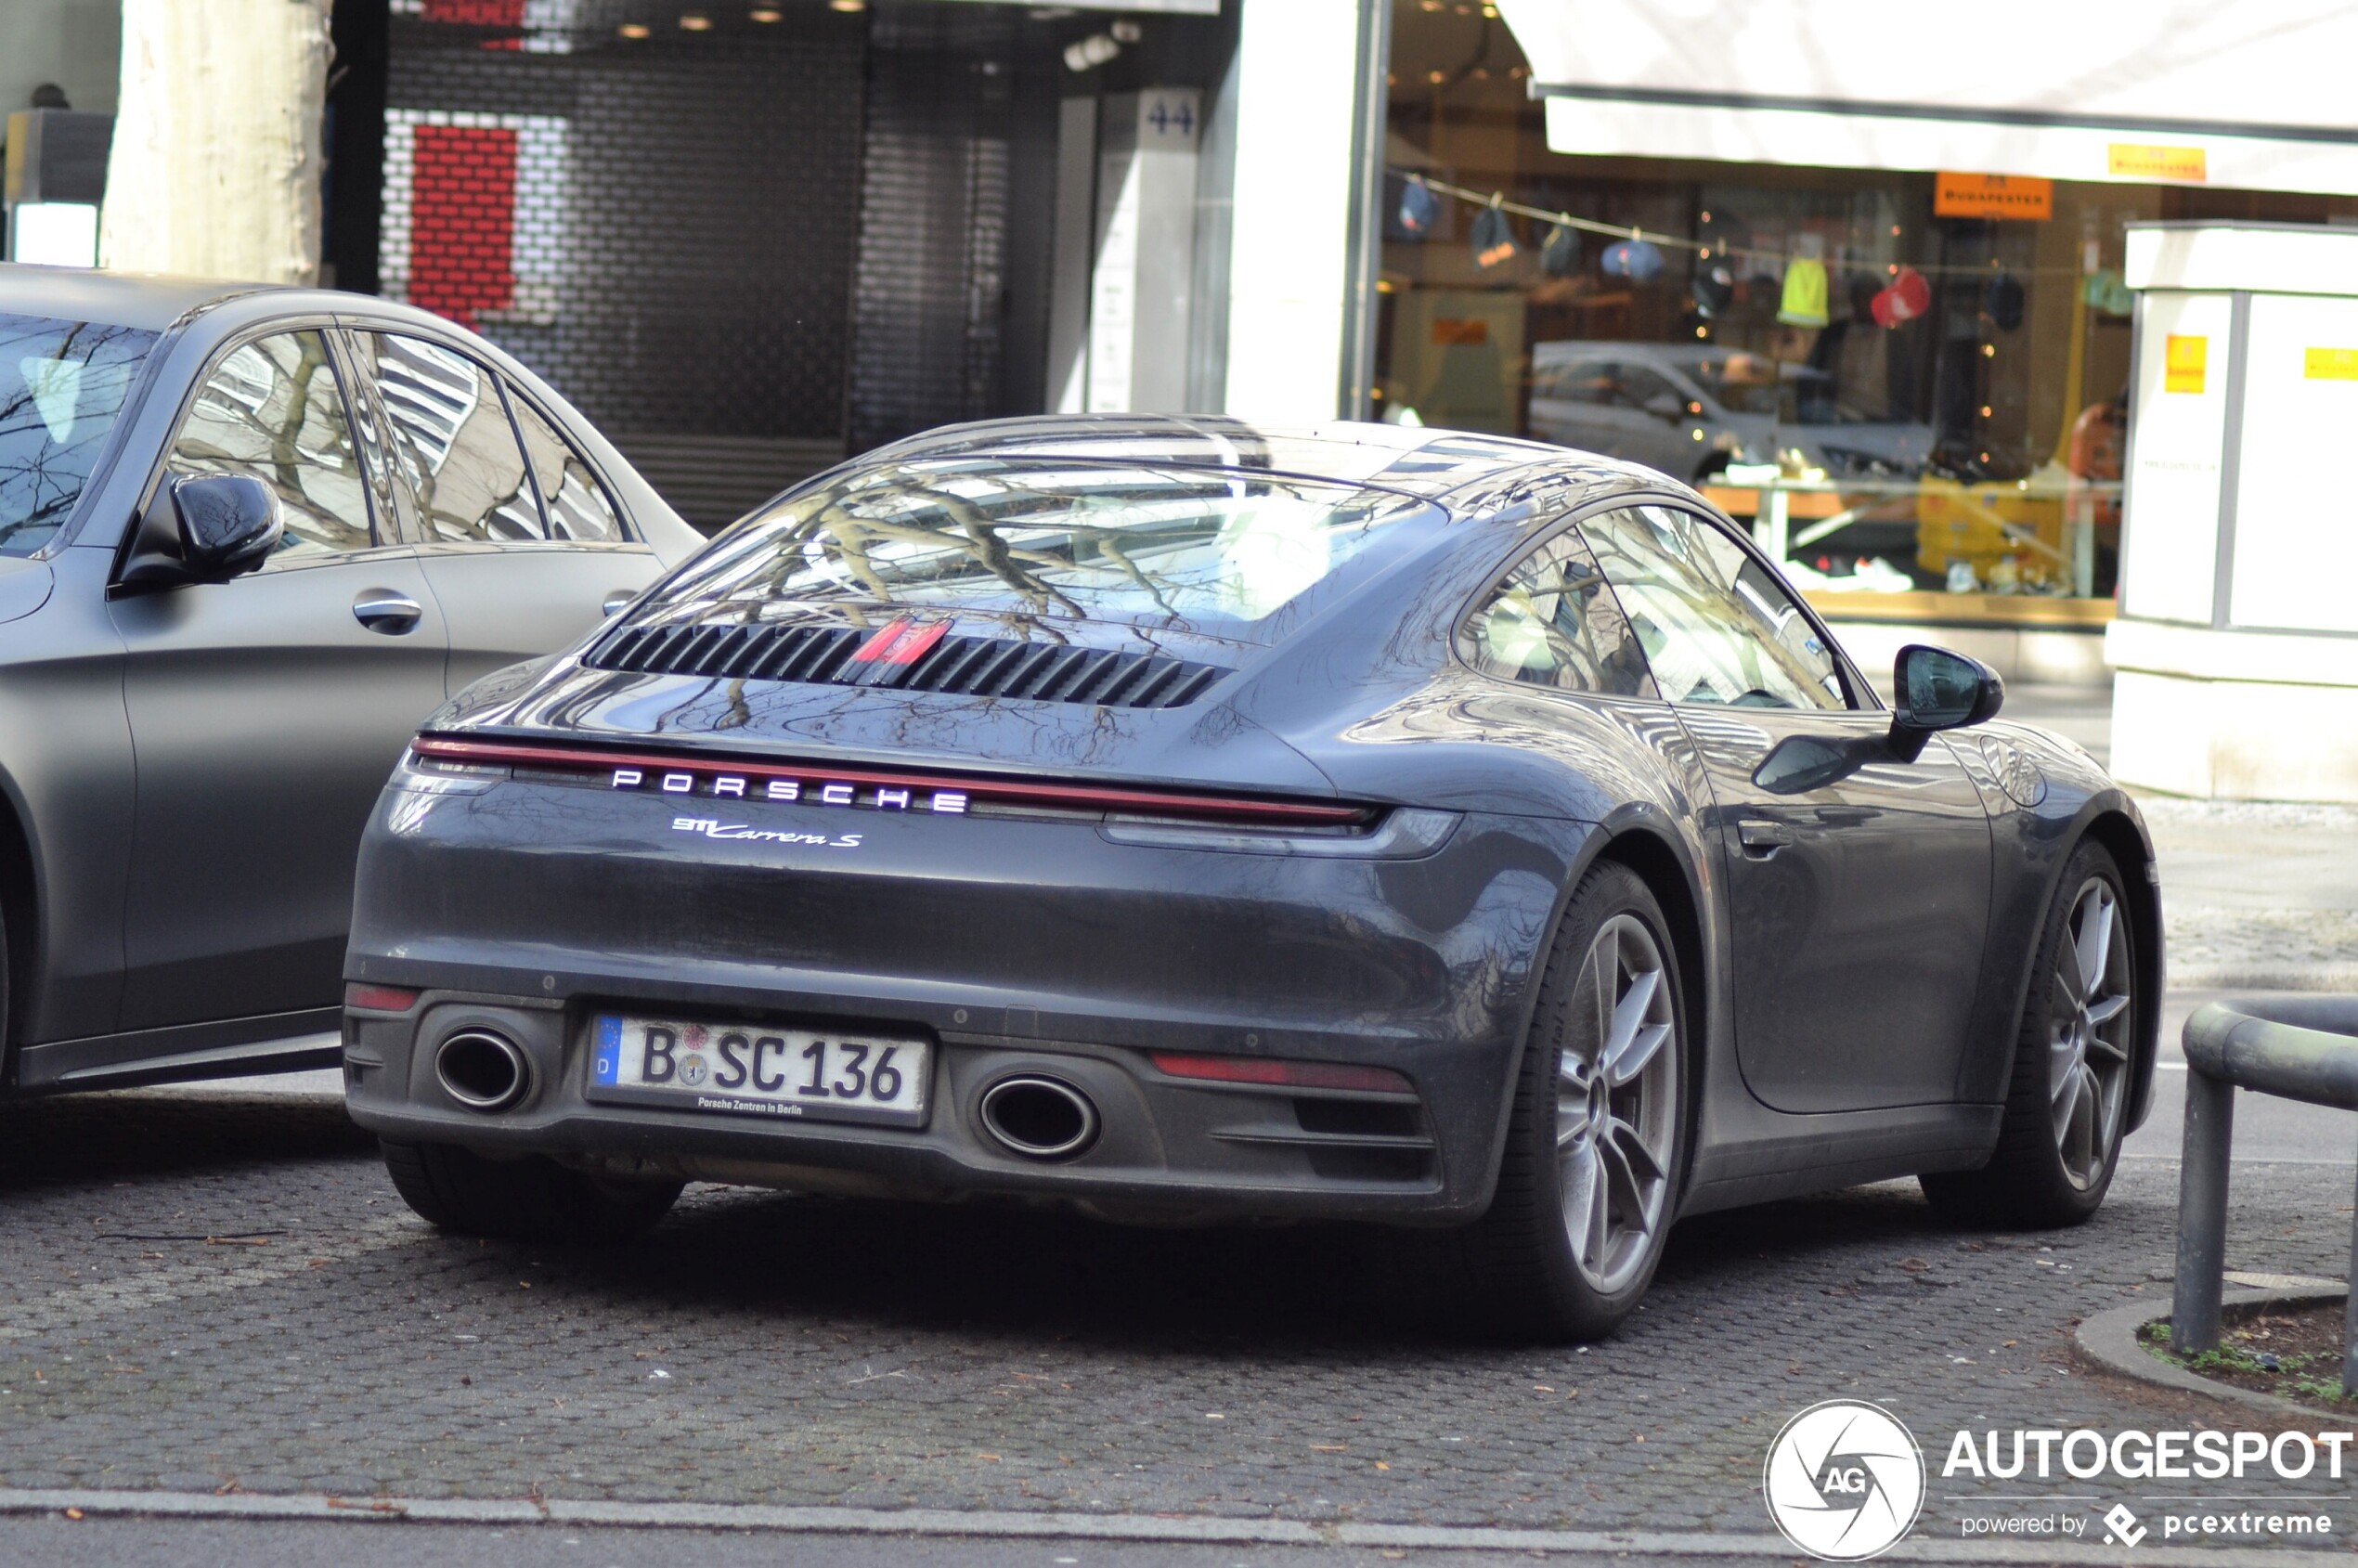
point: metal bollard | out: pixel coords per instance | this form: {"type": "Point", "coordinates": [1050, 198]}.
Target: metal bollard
{"type": "Point", "coordinates": [2350, 1313]}
{"type": "Point", "coordinates": [2202, 1215]}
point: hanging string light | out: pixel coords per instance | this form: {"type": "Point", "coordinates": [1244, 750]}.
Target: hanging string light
{"type": "Point", "coordinates": [1424, 192]}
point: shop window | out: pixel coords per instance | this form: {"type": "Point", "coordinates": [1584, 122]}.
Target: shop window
{"type": "Point", "coordinates": [1908, 397]}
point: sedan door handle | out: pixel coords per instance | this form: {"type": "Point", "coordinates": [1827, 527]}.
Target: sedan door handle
{"type": "Point", "coordinates": [1763, 839]}
{"type": "Point", "coordinates": [381, 609]}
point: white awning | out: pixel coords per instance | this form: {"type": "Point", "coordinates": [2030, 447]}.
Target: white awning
{"type": "Point", "coordinates": [2253, 95]}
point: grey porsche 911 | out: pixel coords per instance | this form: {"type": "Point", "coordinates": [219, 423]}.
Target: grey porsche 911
{"type": "Point", "coordinates": [1185, 820]}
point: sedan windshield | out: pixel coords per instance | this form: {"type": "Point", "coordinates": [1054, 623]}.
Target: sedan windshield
{"type": "Point", "coordinates": [1219, 551]}
{"type": "Point", "coordinates": [62, 385]}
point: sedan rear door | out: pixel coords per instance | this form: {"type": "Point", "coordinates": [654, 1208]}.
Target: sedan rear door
{"type": "Point", "coordinates": [522, 543]}
{"type": "Point", "coordinates": [268, 711]}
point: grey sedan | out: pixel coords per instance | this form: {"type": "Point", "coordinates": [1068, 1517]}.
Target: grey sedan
{"type": "Point", "coordinates": [248, 538]}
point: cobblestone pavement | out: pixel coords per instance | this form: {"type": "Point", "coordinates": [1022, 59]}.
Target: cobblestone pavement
{"type": "Point", "coordinates": [209, 1293]}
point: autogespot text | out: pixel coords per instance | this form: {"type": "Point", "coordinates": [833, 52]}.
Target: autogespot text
{"type": "Point", "coordinates": [2084, 1455]}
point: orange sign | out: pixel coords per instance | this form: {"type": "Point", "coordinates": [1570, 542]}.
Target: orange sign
{"type": "Point", "coordinates": [1992, 196]}
{"type": "Point", "coordinates": [2189, 164]}
{"type": "Point", "coordinates": [1460, 331]}
{"type": "Point", "coordinates": [2183, 361]}
{"type": "Point", "coordinates": [2330, 365]}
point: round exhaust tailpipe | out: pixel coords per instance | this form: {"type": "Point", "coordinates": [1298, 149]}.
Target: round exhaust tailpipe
{"type": "Point", "coordinates": [1040, 1117]}
{"type": "Point", "coordinates": [481, 1070]}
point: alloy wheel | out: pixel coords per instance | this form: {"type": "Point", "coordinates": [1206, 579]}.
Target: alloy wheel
{"type": "Point", "coordinates": [2088, 1044]}
{"type": "Point", "coordinates": [1616, 1112]}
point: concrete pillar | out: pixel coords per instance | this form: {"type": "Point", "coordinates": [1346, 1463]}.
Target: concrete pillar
{"type": "Point", "coordinates": [2235, 653]}
{"type": "Point", "coordinates": [1291, 261]}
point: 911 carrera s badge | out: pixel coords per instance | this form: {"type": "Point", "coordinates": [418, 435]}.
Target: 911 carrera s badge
{"type": "Point", "coordinates": [713, 827]}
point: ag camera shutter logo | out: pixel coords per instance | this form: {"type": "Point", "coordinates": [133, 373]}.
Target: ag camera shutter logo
{"type": "Point", "coordinates": [1844, 1480]}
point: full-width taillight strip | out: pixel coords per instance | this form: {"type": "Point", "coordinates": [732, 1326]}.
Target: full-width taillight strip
{"type": "Point", "coordinates": [1016, 792]}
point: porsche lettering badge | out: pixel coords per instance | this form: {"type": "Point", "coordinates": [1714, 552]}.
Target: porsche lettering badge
{"type": "Point", "coordinates": [736, 786]}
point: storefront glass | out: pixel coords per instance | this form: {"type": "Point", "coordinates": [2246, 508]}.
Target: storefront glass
{"type": "Point", "coordinates": [1913, 382]}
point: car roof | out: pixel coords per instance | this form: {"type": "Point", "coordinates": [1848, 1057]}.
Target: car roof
{"type": "Point", "coordinates": [1418, 461]}
{"type": "Point", "coordinates": [146, 300]}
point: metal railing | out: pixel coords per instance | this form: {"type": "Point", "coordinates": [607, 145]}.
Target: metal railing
{"type": "Point", "coordinates": [2298, 1048]}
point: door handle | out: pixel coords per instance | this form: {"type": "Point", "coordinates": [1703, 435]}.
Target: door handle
{"type": "Point", "coordinates": [381, 609]}
{"type": "Point", "coordinates": [617, 600]}
{"type": "Point", "coordinates": [1763, 839]}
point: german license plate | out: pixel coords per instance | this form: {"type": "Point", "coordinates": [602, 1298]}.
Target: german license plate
{"type": "Point", "coordinates": [757, 1069]}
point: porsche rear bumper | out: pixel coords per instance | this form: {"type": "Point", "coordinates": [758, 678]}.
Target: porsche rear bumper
{"type": "Point", "coordinates": [1020, 944]}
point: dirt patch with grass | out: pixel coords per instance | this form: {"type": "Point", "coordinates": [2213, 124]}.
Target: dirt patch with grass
{"type": "Point", "coordinates": [2293, 1352]}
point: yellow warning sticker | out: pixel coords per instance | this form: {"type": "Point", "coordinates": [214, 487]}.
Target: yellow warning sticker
{"type": "Point", "coordinates": [2183, 360]}
{"type": "Point", "coordinates": [2331, 365]}
{"type": "Point", "coordinates": [2131, 162]}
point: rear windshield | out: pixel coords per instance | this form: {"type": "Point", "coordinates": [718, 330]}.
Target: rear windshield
{"type": "Point", "coordinates": [1221, 553]}
{"type": "Point", "coordinates": [62, 385]}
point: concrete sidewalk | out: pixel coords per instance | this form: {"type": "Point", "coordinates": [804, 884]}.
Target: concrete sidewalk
{"type": "Point", "coordinates": [2256, 895]}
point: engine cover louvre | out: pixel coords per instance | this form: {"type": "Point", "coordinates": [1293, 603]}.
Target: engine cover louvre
{"type": "Point", "coordinates": [960, 666]}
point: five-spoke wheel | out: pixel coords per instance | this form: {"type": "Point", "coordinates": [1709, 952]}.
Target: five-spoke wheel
{"type": "Point", "coordinates": [1596, 1143]}
{"type": "Point", "coordinates": [2088, 1040]}
{"type": "Point", "coordinates": [2067, 1101]}
{"type": "Point", "coordinates": [1616, 1108]}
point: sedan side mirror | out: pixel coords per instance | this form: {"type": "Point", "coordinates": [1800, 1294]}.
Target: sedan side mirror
{"type": "Point", "coordinates": [202, 528]}
{"type": "Point", "coordinates": [1937, 689]}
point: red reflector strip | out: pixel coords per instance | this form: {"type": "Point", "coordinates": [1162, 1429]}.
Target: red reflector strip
{"type": "Point", "coordinates": [911, 644]}
{"type": "Point", "coordinates": [379, 998]}
{"type": "Point", "coordinates": [1273, 813]}
{"type": "Point", "coordinates": [1289, 1075]}
{"type": "Point", "coordinates": [874, 649]}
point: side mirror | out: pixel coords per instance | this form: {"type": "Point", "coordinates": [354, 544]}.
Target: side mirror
{"type": "Point", "coordinates": [1937, 689]}
{"type": "Point", "coordinates": [1667, 405]}
{"type": "Point", "coordinates": [203, 528]}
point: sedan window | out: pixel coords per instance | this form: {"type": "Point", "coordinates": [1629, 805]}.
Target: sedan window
{"type": "Point", "coordinates": [453, 448]}
{"type": "Point", "coordinates": [579, 506]}
{"type": "Point", "coordinates": [271, 410]}
{"type": "Point", "coordinates": [1718, 627]}
{"type": "Point", "coordinates": [1551, 622]}
{"type": "Point", "coordinates": [62, 385]}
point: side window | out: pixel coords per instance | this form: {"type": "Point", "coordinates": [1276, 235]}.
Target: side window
{"type": "Point", "coordinates": [1551, 623]}
{"type": "Point", "coordinates": [271, 410]}
{"type": "Point", "coordinates": [1717, 626]}
{"type": "Point", "coordinates": [1596, 380]}
{"type": "Point", "coordinates": [1649, 392]}
{"type": "Point", "coordinates": [454, 449]}
{"type": "Point", "coordinates": [578, 508]}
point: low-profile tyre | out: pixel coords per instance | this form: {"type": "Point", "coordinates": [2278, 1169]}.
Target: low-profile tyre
{"type": "Point", "coordinates": [532, 1198]}
{"type": "Point", "coordinates": [2067, 1103]}
{"type": "Point", "coordinates": [1597, 1136]}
